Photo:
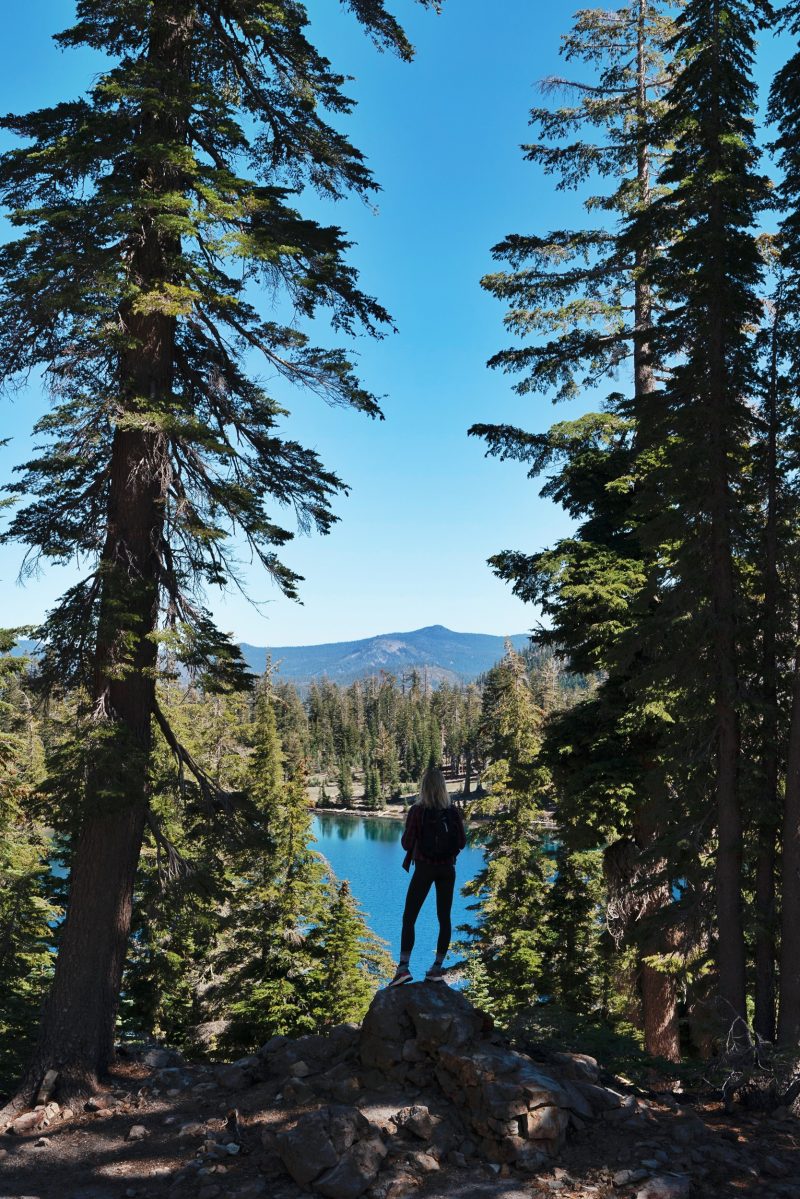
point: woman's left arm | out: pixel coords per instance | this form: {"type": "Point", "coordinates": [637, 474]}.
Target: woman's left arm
{"type": "Point", "coordinates": [462, 832]}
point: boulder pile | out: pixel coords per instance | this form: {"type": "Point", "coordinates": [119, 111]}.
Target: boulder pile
{"type": "Point", "coordinates": [517, 1109]}
{"type": "Point", "coordinates": [483, 1099]}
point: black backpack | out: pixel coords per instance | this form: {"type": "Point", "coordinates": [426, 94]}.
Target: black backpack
{"type": "Point", "coordinates": [439, 836]}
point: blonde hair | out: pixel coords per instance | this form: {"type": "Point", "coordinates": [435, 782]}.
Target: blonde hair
{"type": "Point", "coordinates": [433, 791]}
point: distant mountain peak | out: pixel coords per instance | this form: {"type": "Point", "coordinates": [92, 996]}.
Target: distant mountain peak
{"type": "Point", "coordinates": [445, 655]}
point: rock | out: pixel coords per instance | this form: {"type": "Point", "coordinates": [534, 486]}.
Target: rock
{"type": "Point", "coordinates": [665, 1186]}
{"type": "Point", "coordinates": [774, 1167]}
{"type": "Point", "coordinates": [577, 1066]}
{"type": "Point", "coordinates": [433, 1016]}
{"type": "Point", "coordinates": [97, 1103]}
{"type": "Point", "coordinates": [158, 1057]}
{"type": "Point", "coordinates": [296, 1093]}
{"type": "Point", "coordinates": [624, 1178]}
{"type": "Point", "coordinates": [686, 1128]}
{"type": "Point", "coordinates": [544, 1124]}
{"type": "Point", "coordinates": [42, 1143]}
{"type": "Point", "coordinates": [137, 1132]}
{"type": "Point", "coordinates": [300, 1070]}
{"type": "Point", "coordinates": [252, 1190]}
{"type": "Point", "coordinates": [416, 1119]}
{"type": "Point", "coordinates": [347, 1090]}
{"type": "Point", "coordinates": [601, 1098]}
{"type": "Point", "coordinates": [577, 1102]}
{"type": "Point", "coordinates": [345, 1125]}
{"type": "Point", "coordinates": [67, 1113]}
{"type": "Point", "coordinates": [191, 1130]}
{"type": "Point", "coordinates": [48, 1085]}
{"type": "Point", "coordinates": [530, 1159]}
{"type": "Point", "coordinates": [273, 1045]}
{"type": "Point", "coordinates": [425, 1162]}
{"type": "Point", "coordinates": [232, 1077]}
{"type": "Point", "coordinates": [355, 1171]}
{"type": "Point", "coordinates": [26, 1124]}
{"type": "Point", "coordinates": [306, 1150]}
{"type": "Point", "coordinates": [399, 1186]}
{"type": "Point", "coordinates": [172, 1078]}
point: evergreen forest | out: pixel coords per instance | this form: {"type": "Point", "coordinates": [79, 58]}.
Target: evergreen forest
{"type": "Point", "coordinates": [633, 778]}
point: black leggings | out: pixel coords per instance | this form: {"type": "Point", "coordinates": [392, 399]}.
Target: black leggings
{"type": "Point", "coordinates": [444, 879]}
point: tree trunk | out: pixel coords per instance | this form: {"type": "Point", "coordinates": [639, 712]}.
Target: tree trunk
{"type": "Point", "coordinates": [659, 1010]}
{"type": "Point", "coordinates": [789, 1008]}
{"type": "Point", "coordinates": [468, 774]}
{"type": "Point", "coordinates": [76, 1036]}
{"type": "Point", "coordinates": [728, 875]}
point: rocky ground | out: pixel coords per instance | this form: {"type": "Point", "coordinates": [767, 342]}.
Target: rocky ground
{"type": "Point", "coordinates": [423, 1101]}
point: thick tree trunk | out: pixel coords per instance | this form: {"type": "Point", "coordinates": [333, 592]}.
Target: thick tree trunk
{"type": "Point", "coordinates": [659, 1010]}
{"type": "Point", "coordinates": [658, 990]}
{"type": "Point", "coordinates": [789, 1007]}
{"type": "Point", "coordinates": [730, 941]}
{"type": "Point", "coordinates": [76, 1036]}
{"type": "Point", "coordinates": [637, 895]}
{"type": "Point", "coordinates": [660, 1014]}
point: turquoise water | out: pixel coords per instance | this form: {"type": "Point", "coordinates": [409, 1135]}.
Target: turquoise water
{"type": "Point", "coordinates": [367, 852]}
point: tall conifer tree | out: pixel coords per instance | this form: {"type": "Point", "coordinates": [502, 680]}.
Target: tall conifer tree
{"type": "Point", "coordinates": [595, 282]}
{"type": "Point", "coordinates": [149, 213]}
{"type": "Point", "coordinates": [698, 424]}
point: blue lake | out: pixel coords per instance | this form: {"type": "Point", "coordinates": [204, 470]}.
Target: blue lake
{"type": "Point", "coordinates": [367, 852]}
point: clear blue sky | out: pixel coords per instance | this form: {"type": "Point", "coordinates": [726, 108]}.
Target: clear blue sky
{"type": "Point", "coordinates": [426, 508]}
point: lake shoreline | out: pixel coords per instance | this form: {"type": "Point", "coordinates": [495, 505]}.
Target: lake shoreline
{"type": "Point", "coordinates": [385, 813]}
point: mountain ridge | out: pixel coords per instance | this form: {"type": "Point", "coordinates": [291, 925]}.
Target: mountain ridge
{"type": "Point", "coordinates": [446, 655]}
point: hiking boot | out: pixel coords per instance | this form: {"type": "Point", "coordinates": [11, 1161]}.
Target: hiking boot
{"type": "Point", "coordinates": [402, 975]}
{"type": "Point", "coordinates": [435, 975]}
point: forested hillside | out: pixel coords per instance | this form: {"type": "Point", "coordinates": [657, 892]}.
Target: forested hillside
{"type": "Point", "coordinates": [240, 931]}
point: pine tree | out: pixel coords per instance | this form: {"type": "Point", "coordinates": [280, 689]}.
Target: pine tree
{"type": "Point", "coordinates": [345, 785]}
{"type": "Point", "coordinates": [275, 893]}
{"type": "Point", "coordinates": [353, 962]}
{"type": "Point", "coordinates": [509, 936]}
{"type": "Point", "coordinates": [131, 283]}
{"type": "Point", "coordinates": [700, 421]}
{"type": "Point", "coordinates": [26, 904]}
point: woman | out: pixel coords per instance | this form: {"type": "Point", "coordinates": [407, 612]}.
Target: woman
{"type": "Point", "coordinates": [433, 837]}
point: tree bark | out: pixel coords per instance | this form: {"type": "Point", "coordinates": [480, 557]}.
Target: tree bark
{"type": "Point", "coordinates": [659, 1010]}
{"type": "Point", "coordinates": [789, 1007]}
{"type": "Point", "coordinates": [76, 1035]}
{"type": "Point", "coordinates": [722, 595]}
